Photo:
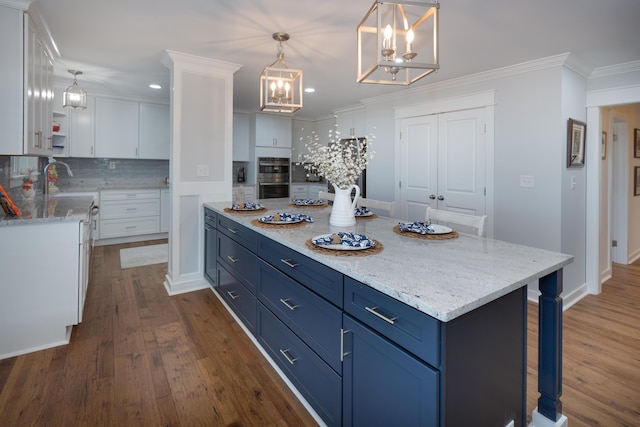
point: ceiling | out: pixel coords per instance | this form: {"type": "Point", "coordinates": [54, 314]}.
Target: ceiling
{"type": "Point", "coordinates": [118, 44]}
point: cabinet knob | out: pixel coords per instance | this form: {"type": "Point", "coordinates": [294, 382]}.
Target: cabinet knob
{"type": "Point", "coordinates": [440, 197]}
{"type": "Point", "coordinates": [432, 196]}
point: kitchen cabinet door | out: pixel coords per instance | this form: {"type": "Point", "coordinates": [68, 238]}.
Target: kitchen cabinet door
{"type": "Point", "coordinates": [82, 139]}
{"type": "Point", "coordinates": [241, 138]}
{"type": "Point", "coordinates": [154, 134]}
{"type": "Point", "coordinates": [116, 128]}
{"type": "Point", "coordinates": [272, 131]}
{"type": "Point", "coordinates": [301, 131]}
{"type": "Point", "coordinates": [352, 123]}
{"type": "Point", "coordinates": [375, 370]}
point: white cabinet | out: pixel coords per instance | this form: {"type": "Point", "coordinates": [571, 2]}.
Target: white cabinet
{"type": "Point", "coordinates": [154, 131]}
{"type": "Point", "coordinates": [314, 189]}
{"type": "Point", "coordinates": [165, 210]}
{"type": "Point", "coordinates": [352, 123]}
{"type": "Point", "coordinates": [299, 191]}
{"type": "Point", "coordinates": [270, 130]}
{"type": "Point", "coordinates": [81, 135]}
{"type": "Point", "coordinates": [26, 84]}
{"type": "Point", "coordinates": [241, 138]}
{"type": "Point", "coordinates": [41, 279]}
{"type": "Point", "coordinates": [116, 128]}
{"type": "Point", "coordinates": [129, 213]}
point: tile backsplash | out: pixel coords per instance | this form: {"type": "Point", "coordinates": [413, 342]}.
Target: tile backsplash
{"type": "Point", "coordinates": [90, 174]}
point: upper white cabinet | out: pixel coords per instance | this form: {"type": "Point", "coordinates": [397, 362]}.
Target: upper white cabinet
{"type": "Point", "coordinates": [81, 135]}
{"type": "Point", "coordinates": [26, 85]}
{"type": "Point", "coordinates": [154, 131]}
{"type": "Point", "coordinates": [270, 130]}
{"type": "Point", "coordinates": [241, 137]}
{"type": "Point", "coordinates": [352, 122]}
{"type": "Point", "coordinates": [116, 128]}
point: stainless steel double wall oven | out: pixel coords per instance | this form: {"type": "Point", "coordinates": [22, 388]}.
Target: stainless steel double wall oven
{"type": "Point", "coordinates": [273, 177]}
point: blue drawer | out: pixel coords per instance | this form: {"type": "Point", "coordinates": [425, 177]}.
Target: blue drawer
{"type": "Point", "coordinates": [406, 326]}
{"type": "Point", "coordinates": [241, 234]}
{"type": "Point", "coordinates": [210, 218]}
{"type": "Point", "coordinates": [315, 380]}
{"type": "Point", "coordinates": [310, 317]}
{"type": "Point", "coordinates": [239, 260]}
{"type": "Point", "coordinates": [241, 301]}
{"type": "Point", "coordinates": [318, 277]}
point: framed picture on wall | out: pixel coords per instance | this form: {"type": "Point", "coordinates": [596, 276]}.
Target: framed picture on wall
{"type": "Point", "coordinates": [604, 145]}
{"type": "Point", "coordinates": [576, 134]}
{"type": "Point", "coordinates": [636, 143]}
{"type": "Point", "coordinates": [636, 181]}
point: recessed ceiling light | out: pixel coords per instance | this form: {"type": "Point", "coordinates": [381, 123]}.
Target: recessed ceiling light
{"type": "Point", "coordinates": [309, 90]}
{"type": "Point", "coordinates": [155, 86]}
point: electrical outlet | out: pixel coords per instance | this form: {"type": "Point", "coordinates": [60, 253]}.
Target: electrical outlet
{"type": "Point", "coordinates": [112, 165]}
{"type": "Point", "coordinates": [203, 170]}
{"type": "Point", "coordinates": [527, 181]}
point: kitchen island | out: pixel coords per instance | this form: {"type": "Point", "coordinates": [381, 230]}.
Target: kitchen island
{"type": "Point", "coordinates": [45, 264]}
{"type": "Point", "coordinates": [422, 332]}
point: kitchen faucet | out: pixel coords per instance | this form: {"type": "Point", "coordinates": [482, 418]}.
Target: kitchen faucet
{"type": "Point", "coordinates": [52, 161]}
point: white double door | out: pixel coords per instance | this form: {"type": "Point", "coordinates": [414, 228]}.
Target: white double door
{"type": "Point", "coordinates": [443, 163]}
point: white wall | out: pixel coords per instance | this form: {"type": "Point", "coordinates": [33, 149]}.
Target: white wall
{"type": "Point", "coordinates": [530, 139]}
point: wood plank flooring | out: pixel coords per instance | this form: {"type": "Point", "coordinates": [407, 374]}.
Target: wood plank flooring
{"type": "Point", "coordinates": [143, 358]}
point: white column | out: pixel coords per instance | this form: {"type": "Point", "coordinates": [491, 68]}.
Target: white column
{"type": "Point", "coordinates": [200, 159]}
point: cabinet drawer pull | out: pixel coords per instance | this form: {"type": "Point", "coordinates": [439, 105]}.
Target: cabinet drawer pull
{"type": "Point", "coordinates": [287, 356]}
{"type": "Point", "coordinates": [373, 310]}
{"type": "Point", "coordinates": [208, 217]}
{"type": "Point", "coordinates": [131, 209]}
{"type": "Point", "coordinates": [131, 227]}
{"type": "Point", "coordinates": [208, 228]}
{"type": "Point", "coordinates": [232, 295]}
{"type": "Point", "coordinates": [232, 230]}
{"type": "Point", "coordinates": [287, 304]}
{"type": "Point", "coordinates": [232, 258]}
{"type": "Point", "coordinates": [343, 353]}
{"type": "Point", "coordinates": [289, 263]}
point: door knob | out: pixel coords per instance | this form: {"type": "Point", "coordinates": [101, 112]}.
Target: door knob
{"type": "Point", "coordinates": [440, 197]}
{"type": "Point", "coordinates": [432, 197]}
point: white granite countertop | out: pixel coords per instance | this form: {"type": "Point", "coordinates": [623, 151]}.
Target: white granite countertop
{"type": "Point", "coordinates": [50, 209]}
{"type": "Point", "coordinates": [442, 278]}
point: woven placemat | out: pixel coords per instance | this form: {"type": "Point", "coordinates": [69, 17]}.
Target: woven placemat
{"type": "Point", "coordinates": [308, 206]}
{"type": "Point", "coordinates": [451, 235]}
{"type": "Point", "coordinates": [251, 211]}
{"type": "Point", "coordinates": [364, 252]}
{"type": "Point", "coordinates": [373, 216]}
{"type": "Point", "coordinates": [258, 223]}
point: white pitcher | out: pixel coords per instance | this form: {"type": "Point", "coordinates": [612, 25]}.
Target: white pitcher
{"type": "Point", "coordinates": [343, 213]}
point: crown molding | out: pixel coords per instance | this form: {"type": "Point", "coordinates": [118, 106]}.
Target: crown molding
{"type": "Point", "coordinates": [612, 70]}
{"type": "Point", "coordinates": [564, 59]}
{"type": "Point", "coordinates": [16, 4]}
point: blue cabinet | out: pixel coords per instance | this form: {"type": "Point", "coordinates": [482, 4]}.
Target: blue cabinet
{"type": "Point", "coordinates": [238, 297]}
{"type": "Point", "coordinates": [319, 384]}
{"type": "Point", "coordinates": [384, 385]}
{"type": "Point", "coordinates": [312, 318]}
{"type": "Point", "coordinates": [239, 260]}
{"type": "Point", "coordinates": [210, 246]}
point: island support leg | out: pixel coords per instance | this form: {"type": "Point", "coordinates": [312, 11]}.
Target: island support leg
{"type": "Point", "coordinates": [549, 410]}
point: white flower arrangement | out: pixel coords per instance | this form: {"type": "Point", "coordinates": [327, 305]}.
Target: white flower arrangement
{"type": "Point", "coordinates": [341, 161]}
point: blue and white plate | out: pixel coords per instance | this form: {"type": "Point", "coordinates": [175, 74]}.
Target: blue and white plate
{"type": "Point", "coordinates": [363, 211]}
{"type": "Point", "coordinates": [246, 206]}
{"type": "Point", "coordinates": [308, 202]}
{"type": "Point", "coordinates": [348, 241]}
{"type": "Point", "coordinates": [423, 228]}
{"type": "Point", "coordinates": [285, 218]}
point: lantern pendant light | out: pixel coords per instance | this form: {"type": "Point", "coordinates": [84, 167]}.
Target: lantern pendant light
{"type": "Point", "coordinates": [73, 96]}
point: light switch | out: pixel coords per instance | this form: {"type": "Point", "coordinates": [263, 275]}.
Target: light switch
{"type": "Point", "coordinates": [573, 183]}
{"type": "Point", "coordinates": [203, 170]}
{"type": "Point", "coordinates": [527, 181]}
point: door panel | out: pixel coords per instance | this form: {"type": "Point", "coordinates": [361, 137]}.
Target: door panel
{"type": "Point", "coordinates": [418, 166]}
{"type": "Point", "coordinates": [442, 163]}
{"type": "Point", "coordinates": [461, 162]}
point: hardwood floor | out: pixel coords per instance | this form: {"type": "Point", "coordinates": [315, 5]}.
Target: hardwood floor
{"type": "Point", "coordinates": [601, 354]}
{"type": "Point", "coordinates": [143, 358]}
